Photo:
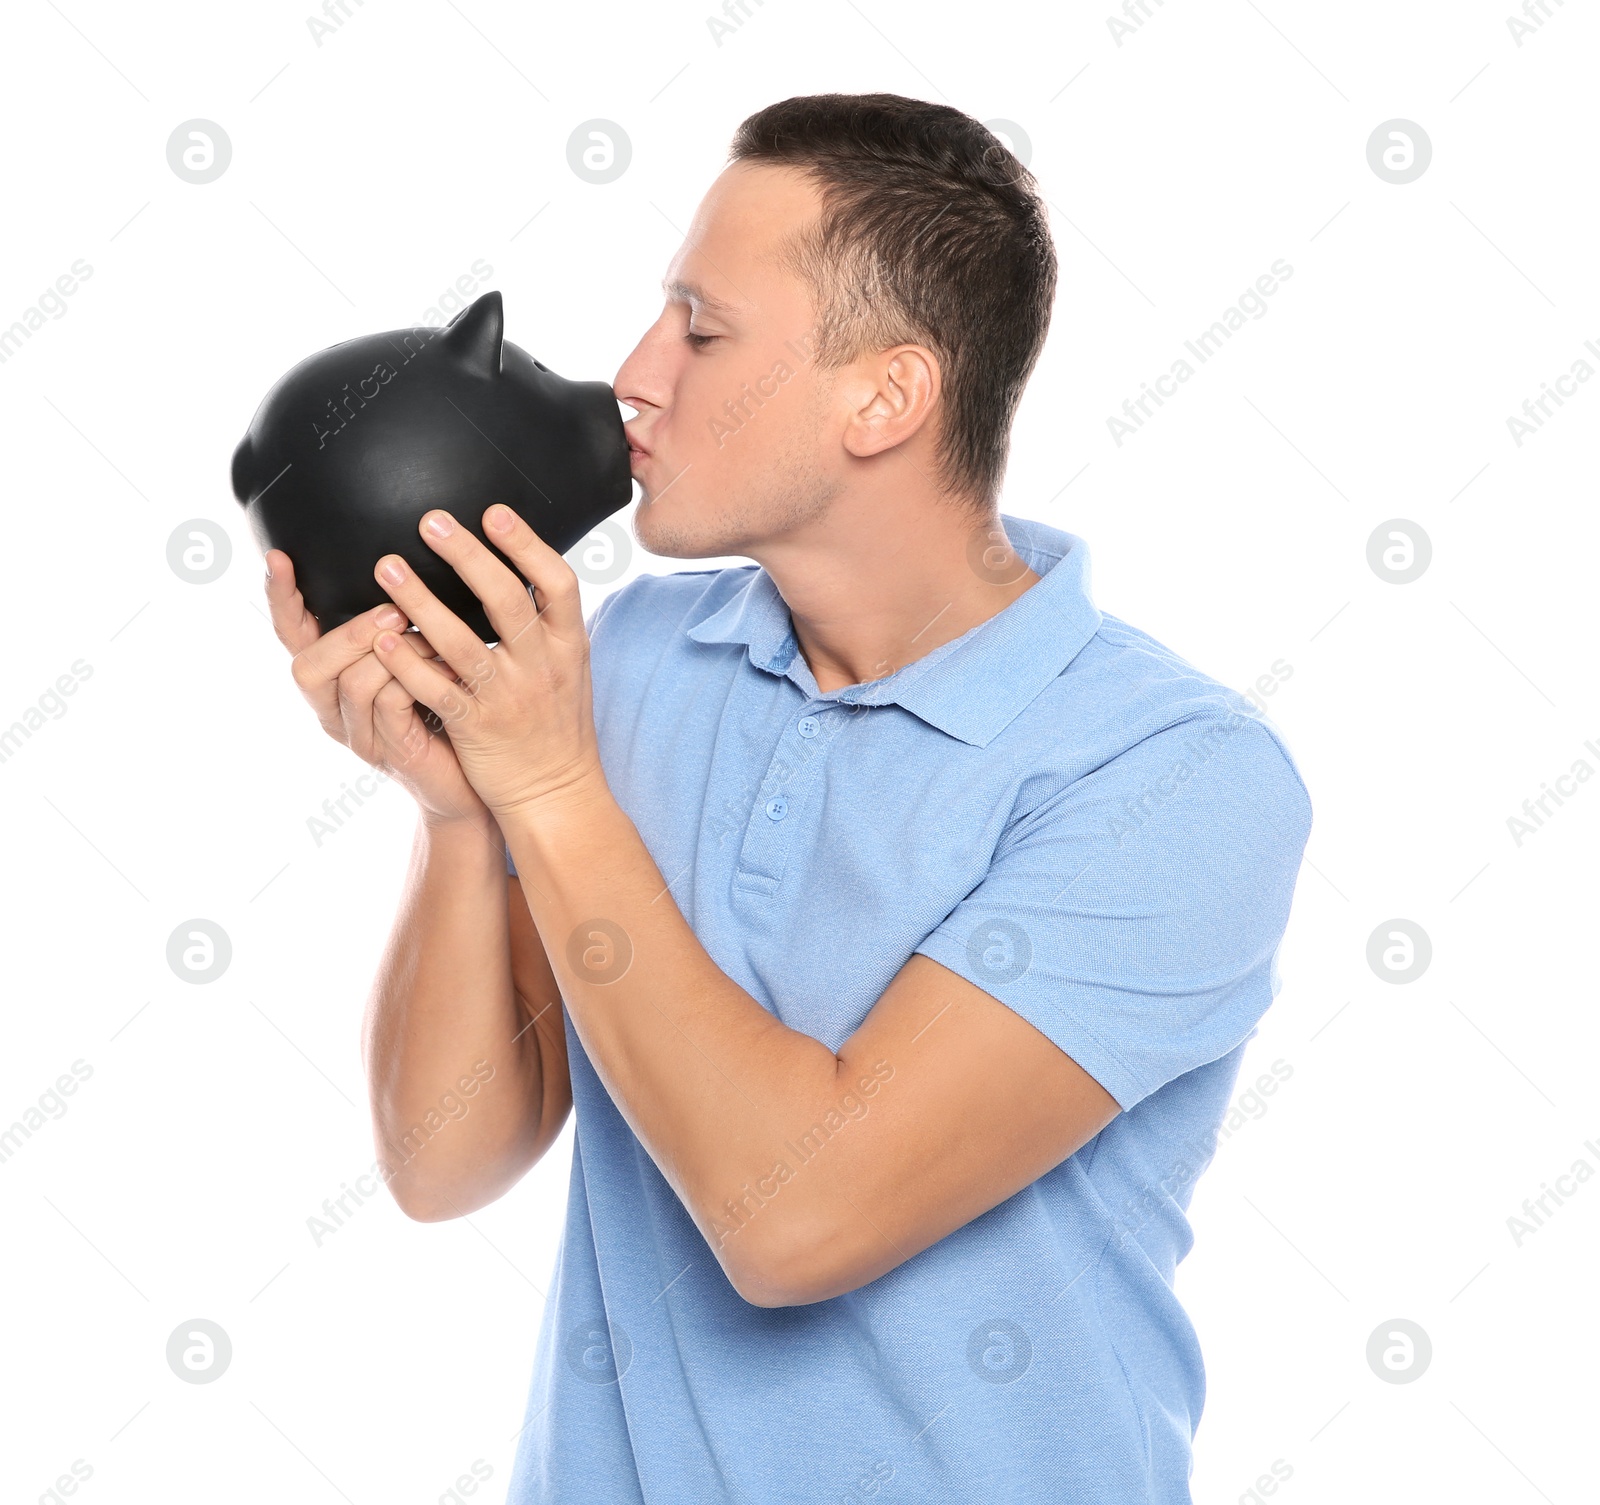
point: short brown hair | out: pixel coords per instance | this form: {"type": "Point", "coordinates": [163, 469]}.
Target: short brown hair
{"type": "Point", "coordinates": [931, 232]}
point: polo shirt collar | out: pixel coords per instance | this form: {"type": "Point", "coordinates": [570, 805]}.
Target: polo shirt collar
{"type": "Point", "coordinates": [972, 687]}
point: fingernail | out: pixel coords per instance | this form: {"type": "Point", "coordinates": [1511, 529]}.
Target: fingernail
{"type": "Point", "coordinates": [387, 641]}
{"type": "Point", "coordinates": [393, 571]}
{"type": "Point", "coordinates": [500, 518]}
{"type": "Point", "coordinates": [439, 524]}
{"type": "Point", "coordinates": [389, 617]}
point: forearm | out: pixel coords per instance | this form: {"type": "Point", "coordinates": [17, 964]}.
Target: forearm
{"type": "Point", "coordinates": [453, 1067]}
{"type": "Point", "coordinates": [716, 1088]}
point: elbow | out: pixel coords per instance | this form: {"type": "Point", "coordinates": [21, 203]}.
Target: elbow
{"type": "Point", "coordinates": [424, 1203]}
{"type": "Point", "coordinates": [757, 1292]}
{"type": "Point", "coordinates": [767, 1289]}
{"type": "Point", "coordinates": [788, 1269]}
{"type": "Point", "coordinates": [421, 1209]}
{"type": "Point", "coordinates": [453, 1192]}
{"type": "Point", "coordinates": [775, 1285]}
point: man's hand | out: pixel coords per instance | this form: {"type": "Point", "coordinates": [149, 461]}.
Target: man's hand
{"type": "Point", "coordinates": [359, 701]}
{"type": "Point", "coordinates": [520, 715]}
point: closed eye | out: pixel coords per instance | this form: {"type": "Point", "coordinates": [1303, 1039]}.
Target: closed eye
{"type": "Point", "coordinates": [700, 341]}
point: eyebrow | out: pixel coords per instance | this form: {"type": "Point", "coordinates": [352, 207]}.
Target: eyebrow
{"type": "Point", "coordinates": [692, 292]}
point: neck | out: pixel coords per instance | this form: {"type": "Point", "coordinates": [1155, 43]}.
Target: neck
{"type": "Point", "coordinates": [873, 589]}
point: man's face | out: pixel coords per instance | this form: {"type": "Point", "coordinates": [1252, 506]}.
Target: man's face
{"type": "Point", "coordinates": [737, 438]}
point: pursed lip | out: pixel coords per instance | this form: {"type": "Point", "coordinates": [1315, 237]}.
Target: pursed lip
{"type": "Point", "coordinates": [635, 446]}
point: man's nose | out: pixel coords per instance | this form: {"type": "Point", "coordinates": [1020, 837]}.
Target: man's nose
{"type": "Point", "coordinates": [643, 380]}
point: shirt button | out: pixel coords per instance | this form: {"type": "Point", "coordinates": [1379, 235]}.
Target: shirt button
{"type": "Point", "coordinates": [777, 808]}
{"type": "Point", "coordinates": [809, 726]}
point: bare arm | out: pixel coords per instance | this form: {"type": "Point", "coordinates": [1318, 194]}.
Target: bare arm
{"type": "Point", "coordinates": [962, 1101]}
{"type": "Point", "coordinates": [463, 1040]}
{"type": "Point", "coordinates": [718, 1090]}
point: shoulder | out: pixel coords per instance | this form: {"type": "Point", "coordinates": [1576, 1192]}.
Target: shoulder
{"type": "Point", "coordinates": [1147, 712]}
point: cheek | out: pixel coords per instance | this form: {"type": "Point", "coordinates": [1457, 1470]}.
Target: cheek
{"type": "Point", "coordinates": [698, 417]}
{"type": "Point", "coordinates": [755, 419]}
{"type": "Point", "coordinates": [716, 424]}
{"type": "Point", "coordinates": [740, 427]}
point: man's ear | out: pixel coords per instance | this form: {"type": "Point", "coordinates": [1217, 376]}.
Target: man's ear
{"type": "Point", "coordinates": [890, 396]}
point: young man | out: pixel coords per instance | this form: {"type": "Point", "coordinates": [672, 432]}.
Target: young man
{"type": "Point", "coordinates": [895, 920]}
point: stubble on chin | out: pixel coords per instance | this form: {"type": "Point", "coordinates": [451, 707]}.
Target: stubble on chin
{"type": "Point", "coordinates": [722, 530]}
{"type": "Point", "coordinates": [680, 538]}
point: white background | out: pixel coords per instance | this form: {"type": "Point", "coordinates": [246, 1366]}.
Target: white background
{"type": "Point", "coordinates": [371, 171]}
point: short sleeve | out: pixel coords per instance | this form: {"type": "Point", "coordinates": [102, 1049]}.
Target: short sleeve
{"type": "Point", "coordinates": [589, 627]}
{"type": "Point", "coordinates": [1134, 917]}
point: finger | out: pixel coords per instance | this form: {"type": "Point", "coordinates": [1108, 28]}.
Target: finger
{"type": "Point", "coordinates": [297, 629]}
{"type": "Point", "coordinates": [504, 594]}
{"type": "Point", "coordinates": [397, 725]}
{"type": "Point", "coordinates": [407, 740]}
{"type": "Point", "coordinates": [316, 669]}
{"type": "Point", "coordinates": [375, 709]}
{"type": "Point", "coordinates": [357, 687]}
{"type": "Point", "coordinates": [555, 585]}
{"type": "Point", "coordinates": [291, 621]}
{"type": "Point", "coordinates": [420, 643]}
{"type": "Point", "coordinates": [427, 723]}
{"type": "Point", "coordinates": [457, 645]}
{"type": "Point", "coordinates": [427, 683]}
{"type": "Point", "coordinates": [415, 639]}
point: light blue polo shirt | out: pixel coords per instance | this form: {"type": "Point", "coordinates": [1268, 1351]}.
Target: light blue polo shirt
{"type": "Point", "coordinates": [1063, 811]}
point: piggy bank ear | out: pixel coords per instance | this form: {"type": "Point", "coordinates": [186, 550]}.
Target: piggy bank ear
{"type": "Point", "coordinates": [474, 336]}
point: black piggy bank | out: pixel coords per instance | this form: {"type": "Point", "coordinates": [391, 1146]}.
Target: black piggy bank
{"type": "Point", "coordinates": [351, 447]}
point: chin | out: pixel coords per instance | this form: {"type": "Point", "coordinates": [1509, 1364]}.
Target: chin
{"type": "Point", "coordinates": [678, 528]}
